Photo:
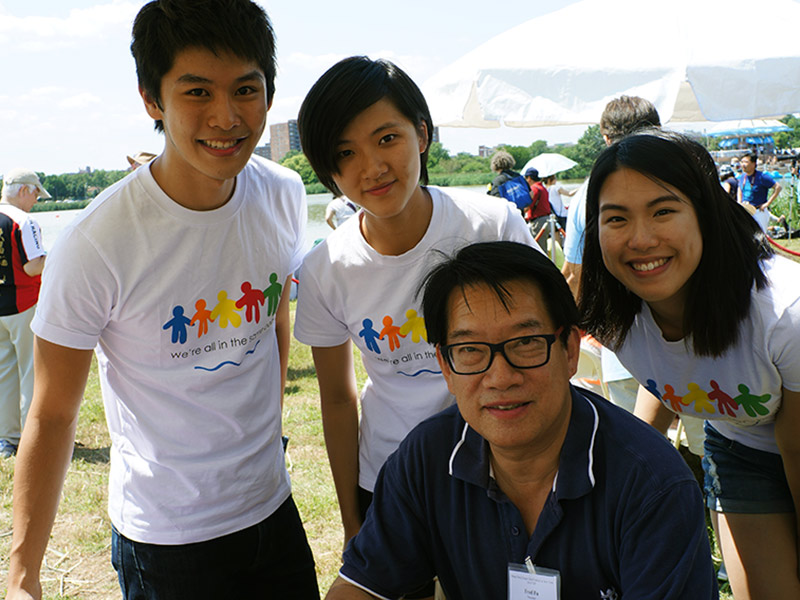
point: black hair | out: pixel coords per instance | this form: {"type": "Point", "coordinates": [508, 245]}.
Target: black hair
{"type": "Point", "coordinates": [495, 264]}
{"type": "Point", "coordinates": [164, 28]}
{"type": "Point", "coordinates": [733, 245]}
{"type": "Point", "coordinates": [343, 92]}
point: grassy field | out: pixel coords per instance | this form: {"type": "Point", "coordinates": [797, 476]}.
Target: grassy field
{"type": "Point", "coordinates": [77, 564]}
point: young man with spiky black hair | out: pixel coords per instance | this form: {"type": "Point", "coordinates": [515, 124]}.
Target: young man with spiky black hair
{"type": "Point", "coordinates": [164, 275]}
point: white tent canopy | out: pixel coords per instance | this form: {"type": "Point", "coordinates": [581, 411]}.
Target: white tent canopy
{"type": "Point", "coordinates": [564, 67]}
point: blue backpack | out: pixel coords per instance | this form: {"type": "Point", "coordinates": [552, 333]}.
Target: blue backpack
{"type": "Point", "coordinates": [517, 191]}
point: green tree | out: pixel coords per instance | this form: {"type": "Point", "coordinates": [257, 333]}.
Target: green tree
{"type": "Point", "coordinates": [297, 161]}
{"type": "Point", "coordinates": [588, 148]}
{"type": "Point", "coordinates": [536, 148]}
{"type": "Point", "coordinates": [436, 154]}
{"type": "Point", "coordinates": [788, 139]}
{"type": "Point", "coordinates": [521, 154]}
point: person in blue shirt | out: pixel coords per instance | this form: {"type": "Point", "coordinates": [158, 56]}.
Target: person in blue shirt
{"type": "Point", "coordinates": [526, 480]}
{"type": "Point", "coordinates": [754, 187]}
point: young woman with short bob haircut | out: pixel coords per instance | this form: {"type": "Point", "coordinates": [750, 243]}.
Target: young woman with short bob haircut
{"type": "Point", "coordinates": [366, 130]}
{"type": "Point", "coordinates": [680, 281]}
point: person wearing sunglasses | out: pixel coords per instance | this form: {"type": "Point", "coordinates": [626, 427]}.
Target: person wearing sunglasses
{"type": "Point", "coordinates": [526, 483]}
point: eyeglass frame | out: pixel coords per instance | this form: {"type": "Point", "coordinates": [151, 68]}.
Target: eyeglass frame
{"type": "Point", "coordinates": [498, 348]}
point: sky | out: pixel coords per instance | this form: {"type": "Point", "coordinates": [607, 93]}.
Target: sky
{"type": "Point", "coordinates": [68, 91]}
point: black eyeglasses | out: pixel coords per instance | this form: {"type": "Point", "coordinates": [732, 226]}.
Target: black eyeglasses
{"type": "Point", "coordinates": [524, 352]}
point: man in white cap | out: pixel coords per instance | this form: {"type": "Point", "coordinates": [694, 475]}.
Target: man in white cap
{"type": "Point", "coordinates": [21, 262]}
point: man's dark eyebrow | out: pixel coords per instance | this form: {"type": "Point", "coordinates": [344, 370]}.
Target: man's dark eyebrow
{"type": "Point", "coordinates": [191, 78]}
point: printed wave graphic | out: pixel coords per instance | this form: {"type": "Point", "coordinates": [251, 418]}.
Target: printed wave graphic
{"type": "Point", "coordinates": [420, 372]}
{"type": "Point", "coordinates": [228, 362]}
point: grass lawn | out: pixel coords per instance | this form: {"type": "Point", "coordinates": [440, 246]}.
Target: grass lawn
{"type": "Point", "coordinates": [77, 564]}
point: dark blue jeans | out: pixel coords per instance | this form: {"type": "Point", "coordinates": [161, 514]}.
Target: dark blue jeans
{"type": "Point", "coordinates": [269, 560]}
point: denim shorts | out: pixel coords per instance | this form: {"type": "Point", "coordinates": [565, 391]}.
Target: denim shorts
{"type": "Point", "coordinates": [740, 479]}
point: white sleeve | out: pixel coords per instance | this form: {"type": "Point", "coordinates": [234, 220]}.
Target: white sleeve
{"type": "Point", "coordinates": [784, 345]}
{"type": "Point", "coordinates": [32, 239]}
{"type": "Point", "coordinates": [77, 295]}
{"type": "Point", "coordinates": [315, 322]}
{"type": "Point", "coordinates": [301, 221]}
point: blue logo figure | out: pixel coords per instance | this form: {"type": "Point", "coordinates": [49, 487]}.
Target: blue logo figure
{"type": "Point", "coordinates": [178, 323]}
{"type": "Point", "coordinates": [370, 335]}
{"type": "Point", "coordinates": [652, 387]}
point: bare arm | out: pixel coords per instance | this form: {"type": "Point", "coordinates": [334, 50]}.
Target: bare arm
{"type": "Point", "coordinates": [776, 190]}
{"type": "Point", "coordinates": [572, 273]}
{"type": "Point", "coordinates": [283, 331]}
{"type": "Point", "coordinates": [787, 435]}
{"type": "Point", "coordinates": [343, 590]}
{"type": "Point", "coordinates": [726, 186]}
{"type": "Point", "coordinates": [329, 218]}
{"type": "Point", "coordinates": [566, 192]}
{"type": "Point", "coordinates": [339, 396]}
{"type": "Point", "coordinates": [44, 455]}
{"type": "Point", "coordinates": [650, 410]}
{"type": "Point", "coordinates": [34, 267]}
{"type": "Point", "coordinates": [739, 194]}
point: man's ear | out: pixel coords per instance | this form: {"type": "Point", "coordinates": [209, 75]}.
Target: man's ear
{"type": "Point", "coordinates": [151, 105]}
{"type": "Point", "coordinates": [573, 350]}
{"type": "Point", "coordinates": [446, 372]}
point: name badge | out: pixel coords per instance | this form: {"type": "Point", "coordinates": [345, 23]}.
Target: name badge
{"type": "Point", "coordinates": [533, 583]}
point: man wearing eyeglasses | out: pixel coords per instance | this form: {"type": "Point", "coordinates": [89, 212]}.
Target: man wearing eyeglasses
{"type": "Point", "coordinates": [528, 487]}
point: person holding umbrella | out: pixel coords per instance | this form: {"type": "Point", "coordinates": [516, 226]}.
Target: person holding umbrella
{"type": "Point", "coordinates": [555, 193]}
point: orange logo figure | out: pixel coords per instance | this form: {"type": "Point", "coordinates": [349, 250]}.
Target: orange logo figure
{"type": "Point", "coordinates": [391, 331]}
{"type": "Point", "coordinates": [202, 317]}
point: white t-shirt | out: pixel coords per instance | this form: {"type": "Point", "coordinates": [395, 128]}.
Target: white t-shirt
{"type": "Point", "coordinates": [180, 305]}
{"type": "Point", "coordinates": [341, 209]}
{"type": "Point", "coordinates": [349, 291]}
{"type": "Point", "coordinates": [556, 201]}
{"type": "Point", "coordinates": [740, 392]}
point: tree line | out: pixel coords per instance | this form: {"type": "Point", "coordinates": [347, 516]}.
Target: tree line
{"type": "Point", "coordinates": [443, 168]}
{"type": "Point", "coordinates": [80, 186]}
{"type": "Point", "coordinates": [467, 169]}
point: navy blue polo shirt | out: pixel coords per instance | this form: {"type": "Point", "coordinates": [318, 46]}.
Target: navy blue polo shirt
{"type": "Point", "coordinates": [625, 515]}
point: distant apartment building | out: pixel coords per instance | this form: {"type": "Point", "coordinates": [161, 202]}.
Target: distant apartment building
{"type": "Point", "coordinates": [283, 138]}
{"type": "Point", "coordinates": [485, 151]}
{"type": "Point", "coordinates": [264, 151]}
{"type": "Point", "coordinates": [435, 137]}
